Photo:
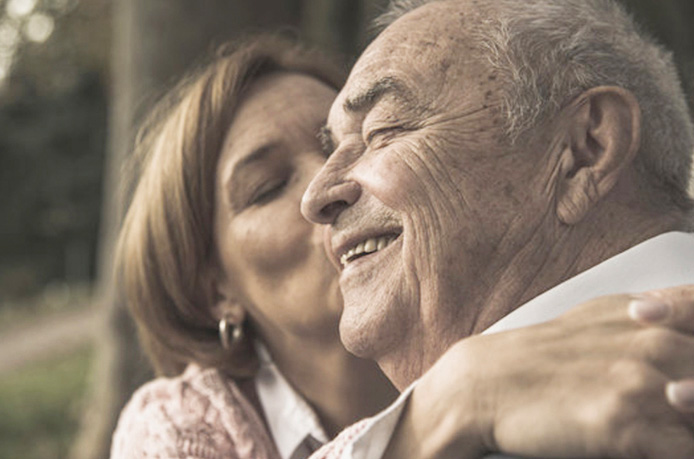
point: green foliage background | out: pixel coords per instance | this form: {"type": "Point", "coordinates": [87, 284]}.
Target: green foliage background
{"type": "Point", "coordinates": [40, 407]}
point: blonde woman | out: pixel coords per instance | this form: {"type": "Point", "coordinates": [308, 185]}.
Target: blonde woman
{"type": "Point", "coordinates": [231, 289]}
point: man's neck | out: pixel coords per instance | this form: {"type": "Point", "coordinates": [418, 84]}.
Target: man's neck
{"type": "Point", "coordinates": [545, 263]}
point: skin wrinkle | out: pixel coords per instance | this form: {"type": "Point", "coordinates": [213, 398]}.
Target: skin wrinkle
{"type": "Point", "coordinates": [472, 114]}
{"type": "Point", "coordinates": [436, 188]}
{"type": "Point", "coordinates": [396, 129]}
{"type": "Point", "coordinates": [519, 259]}
{"type": "Point", "coordinates": [515, 276]}
{"type": "Point", "coordinates": [434, 227]}
{"type": "Point", "coordinates": [409, 108]}
{"type": "Point", "coordinates": [478, 210]}
{"type": "Point", "coordinates": [458, 196]}
{"type": "Point", "coordinates": [410, 329]}
{"type": "Point", "coordinates": [416, 365]}
{"type": "Point", "coordinates": [424, 294]}
{"type": "Point", "coordinates": [441, 127]}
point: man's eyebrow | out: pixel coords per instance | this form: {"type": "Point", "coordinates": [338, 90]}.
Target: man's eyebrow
{"type": "Point", "coordinates": [367, 98]}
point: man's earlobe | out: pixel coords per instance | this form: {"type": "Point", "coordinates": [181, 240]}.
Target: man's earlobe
{"type": "Point", "coordinates": [603, 127]}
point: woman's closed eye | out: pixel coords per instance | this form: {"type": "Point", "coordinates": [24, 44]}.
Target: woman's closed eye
{"type": "Point", "coordinates": [267, 192]}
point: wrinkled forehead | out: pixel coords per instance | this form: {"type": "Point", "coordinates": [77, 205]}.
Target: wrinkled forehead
{"type": "Point", "coordinates": [425, 49]}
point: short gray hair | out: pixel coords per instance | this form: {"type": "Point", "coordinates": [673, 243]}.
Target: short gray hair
{"type": "Point", "coordinates": [548, 52]}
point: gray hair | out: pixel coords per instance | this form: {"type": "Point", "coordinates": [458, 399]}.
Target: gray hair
{"type": "Point", "coordinates": [547, 52]}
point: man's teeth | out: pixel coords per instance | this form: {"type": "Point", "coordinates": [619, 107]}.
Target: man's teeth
{"type": "Point", "coordinates": [368, 246]}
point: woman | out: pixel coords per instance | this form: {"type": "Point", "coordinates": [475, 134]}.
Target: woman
{"type": "Point", "coordinates": [221, 269]}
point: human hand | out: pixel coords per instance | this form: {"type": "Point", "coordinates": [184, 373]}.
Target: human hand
{"type": "Point", "coordinates": [610, 378]}
{"type": "Point", "coordinates": [660, 310]}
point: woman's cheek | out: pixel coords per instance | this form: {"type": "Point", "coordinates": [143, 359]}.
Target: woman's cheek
{"type": "Point", "coordinates": [279, 241]}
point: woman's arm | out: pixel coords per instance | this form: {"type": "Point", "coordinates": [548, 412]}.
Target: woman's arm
{"type": "Point", "coordinates": [589, 384]}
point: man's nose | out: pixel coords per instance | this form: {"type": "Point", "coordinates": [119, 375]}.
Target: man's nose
{"type": "Point", "coordinates": [326, 197]}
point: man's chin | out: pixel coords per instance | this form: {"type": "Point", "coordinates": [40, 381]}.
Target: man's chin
{"type": "Point", "coordinates": [367, 334]}
{"type": "Point", "coordinates": [356, 341]}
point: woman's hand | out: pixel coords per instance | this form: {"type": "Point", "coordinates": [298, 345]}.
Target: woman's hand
{"type": "Point", "coordinates": [613, 377]}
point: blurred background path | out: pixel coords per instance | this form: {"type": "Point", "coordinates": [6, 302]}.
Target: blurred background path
{"type": "Point", "coordinates": [48, 336]}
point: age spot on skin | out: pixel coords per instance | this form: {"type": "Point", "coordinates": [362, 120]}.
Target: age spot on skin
{"type": "Point", "coordinates": [428, 44]}
{"type": "Point", "coordinates": [462, 18]}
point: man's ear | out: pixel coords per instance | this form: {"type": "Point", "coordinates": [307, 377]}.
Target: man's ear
{"type": "Point", "coordinates": [603, 129]}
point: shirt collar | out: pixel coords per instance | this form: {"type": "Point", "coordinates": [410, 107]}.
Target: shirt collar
{"type": "Point", "coordinates": [288, 415]}
{"type": "Point", "coordinates": [661, 262]}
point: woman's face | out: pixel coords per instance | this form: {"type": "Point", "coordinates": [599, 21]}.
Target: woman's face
{"type": "Point", "coordinates": [273, 263]}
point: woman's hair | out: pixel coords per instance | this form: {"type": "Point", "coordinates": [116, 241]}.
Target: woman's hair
{"type": "Point", "coordinates": [166, 254]}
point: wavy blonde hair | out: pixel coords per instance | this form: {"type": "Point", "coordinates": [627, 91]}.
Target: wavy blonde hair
{"type": "Point", "coordinates": [165, 255]}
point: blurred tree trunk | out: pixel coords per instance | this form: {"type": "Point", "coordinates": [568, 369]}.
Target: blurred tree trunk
{"type": "Point", "coordinates": [154, 43]}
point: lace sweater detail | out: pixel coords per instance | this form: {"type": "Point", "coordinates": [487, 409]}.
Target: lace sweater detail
{"type": "Point", "coordinates": [197, 415]}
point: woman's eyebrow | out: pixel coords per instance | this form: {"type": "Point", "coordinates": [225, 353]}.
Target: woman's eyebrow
{"type": "Point", "coordinates": [326, 139]}
{"type": "Point", "coordinates": [254, 156]}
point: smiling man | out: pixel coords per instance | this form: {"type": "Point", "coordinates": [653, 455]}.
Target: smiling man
{"type": "Point", "coordinates": [486, 152]}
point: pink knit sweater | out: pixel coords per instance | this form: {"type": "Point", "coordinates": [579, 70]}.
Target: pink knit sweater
{"type": "Point", "coordinates": [197, 415]}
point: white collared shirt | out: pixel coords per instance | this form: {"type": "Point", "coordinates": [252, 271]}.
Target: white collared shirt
{"type": "Point", "coordinates": [664, 261]}
{"type": "Point", "coordinates": [289, 417]}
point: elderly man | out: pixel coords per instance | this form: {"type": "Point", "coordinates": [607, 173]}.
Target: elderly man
{"type": "Point", "coordinates": [485, 153]}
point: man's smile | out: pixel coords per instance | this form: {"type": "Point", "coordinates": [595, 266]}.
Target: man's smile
{"type": "Point", "coordinates": [363, 248]}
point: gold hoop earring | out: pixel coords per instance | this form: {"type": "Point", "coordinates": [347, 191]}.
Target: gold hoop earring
{"type": "Point", "coordinates": [236, 333]}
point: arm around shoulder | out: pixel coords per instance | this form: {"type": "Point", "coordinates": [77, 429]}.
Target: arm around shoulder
{"type": "Point", "coordinates": [441, 419]}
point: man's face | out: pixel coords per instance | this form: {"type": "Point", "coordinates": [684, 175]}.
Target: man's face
{"type": "Point", "coordinates": [427, 204]}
